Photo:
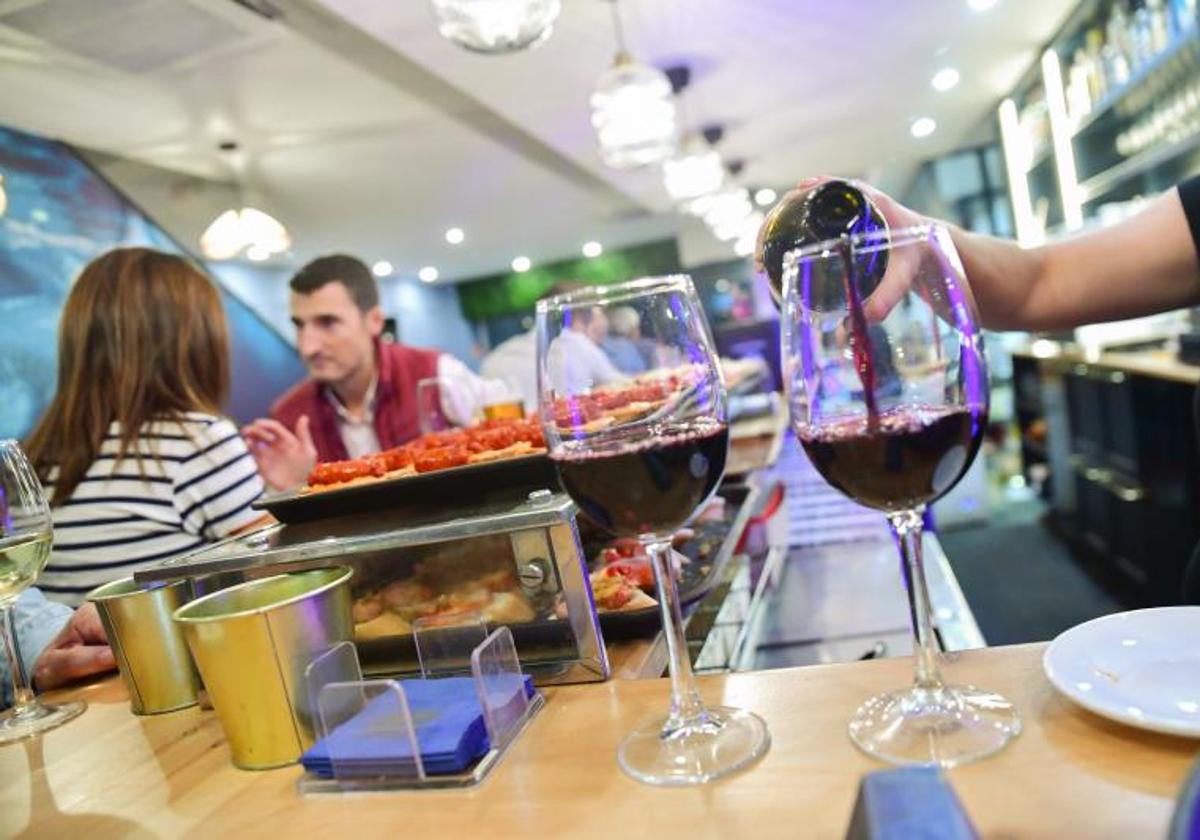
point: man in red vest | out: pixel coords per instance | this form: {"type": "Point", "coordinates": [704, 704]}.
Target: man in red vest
{"type": "Point", "coordinates": [360, 396]}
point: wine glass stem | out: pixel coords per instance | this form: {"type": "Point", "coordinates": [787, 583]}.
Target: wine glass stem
{"type": "Point", "coordinates": [686, 704]}
{"type": "Point", "coordinates": [906, 525]}
{"type": "Point", "coordinates": [22, 693]}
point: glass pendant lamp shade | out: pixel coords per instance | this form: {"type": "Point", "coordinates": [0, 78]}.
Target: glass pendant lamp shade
{"type": "Point", "coordinates": [695, 171]}
{"type": "Point", "coordinates": [724, 212]}
{"type": "Point", "coordinates": [246, 229]}
{"type": "Point", "coordinates": [633, 114]}
{"type": "Point", "coordinates": [496, 26]}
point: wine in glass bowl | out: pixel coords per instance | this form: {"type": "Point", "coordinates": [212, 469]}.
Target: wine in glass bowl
{"type": "Point", "coordinates": [888, 391]}
{"type": "Point", "coordinates": [22, 559]}
{"type": "Point", "coordinates": [913, 456]}
{"type": "Point", "coordinates": [639, 485]}
{"type": "Point", "coordinates": [640, 455]}
{"type": "Point", "coordinates": [25, 540]}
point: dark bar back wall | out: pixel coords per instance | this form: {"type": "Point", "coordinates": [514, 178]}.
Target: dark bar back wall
{"type": "Point", "coordinates": [61, 214]}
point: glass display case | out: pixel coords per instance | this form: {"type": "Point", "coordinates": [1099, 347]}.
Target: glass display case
{"type": "Point", "coordinates": [519, 565]}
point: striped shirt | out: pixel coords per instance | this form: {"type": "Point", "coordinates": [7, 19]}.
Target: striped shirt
{"type": "Point", "coordinates": [195, 485]}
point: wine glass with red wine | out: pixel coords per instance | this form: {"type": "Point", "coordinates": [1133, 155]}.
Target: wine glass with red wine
{"type": "Point", "coordinates": [888, 389]}
{"type": "Point", "coordinates": [639, 454]}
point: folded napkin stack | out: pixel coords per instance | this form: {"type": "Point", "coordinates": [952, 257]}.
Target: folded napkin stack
{"type": "Point", "coordinates": [446, 714]}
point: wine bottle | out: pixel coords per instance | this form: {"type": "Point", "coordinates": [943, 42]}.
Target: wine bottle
{"type": "Point", "coordinates": [833, 210]}
{"type": "Point", "coordinates": [830, 210]}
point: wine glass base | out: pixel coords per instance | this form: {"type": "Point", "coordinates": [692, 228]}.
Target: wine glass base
{"type": "Point", "coordinates": [36, 719]}
{"type": "Point", "coordinates": [727, 740]}
{"type": "Point", "coordinates": [945, 727]}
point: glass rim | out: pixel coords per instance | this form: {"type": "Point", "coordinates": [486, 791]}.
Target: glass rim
{"type": "Point", "coordinates": [601, 295]}
{"type": "Point", "coordinates": [868, 242]}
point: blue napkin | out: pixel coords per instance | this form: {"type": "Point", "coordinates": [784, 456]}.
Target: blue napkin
{"type": "Point", "coordinates": [451, 733]}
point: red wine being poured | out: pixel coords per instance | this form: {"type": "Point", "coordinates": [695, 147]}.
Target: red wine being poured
{"type": "Point", "coordinates": [860, 343]}
{"type": "Point", "coordinates": [646, 486]}
{"type": "Point", "coordinates": [911, 457]}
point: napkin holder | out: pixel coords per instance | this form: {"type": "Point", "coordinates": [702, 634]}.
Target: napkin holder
{"type": "Point", "coordinates": [458, 648]}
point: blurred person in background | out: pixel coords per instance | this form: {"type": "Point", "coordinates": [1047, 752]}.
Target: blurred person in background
{"type": "Point", "coordinates": [576, 358]}
{"type": "Point", "coordinates": [361, 394]}
{"type": "Point", "coordinates": [138, 461]}
{"type": "Point", "coordinates": [514, 360]}
{"type": "Point", "coordinates": [624, 343]}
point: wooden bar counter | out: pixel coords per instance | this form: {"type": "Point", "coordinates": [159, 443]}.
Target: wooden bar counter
{"type": "Point", "coordinates": [1070, 774]}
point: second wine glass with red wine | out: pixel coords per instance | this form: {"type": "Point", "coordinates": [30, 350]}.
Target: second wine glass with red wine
{"type": "Point", "coordinates": [639, 453]}
{"type": "Point", "coordinates": [888, 390]}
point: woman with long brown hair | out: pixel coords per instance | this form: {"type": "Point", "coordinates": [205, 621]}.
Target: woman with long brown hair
{"type": "Point", "coordinates": [139, 462]}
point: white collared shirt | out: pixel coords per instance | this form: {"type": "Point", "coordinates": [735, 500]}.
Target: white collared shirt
{"type": "Point", "coordinates": [463, 396]}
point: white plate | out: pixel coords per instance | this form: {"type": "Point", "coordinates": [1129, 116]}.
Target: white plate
{"type": "Point", "coordinates": [1141, 668]}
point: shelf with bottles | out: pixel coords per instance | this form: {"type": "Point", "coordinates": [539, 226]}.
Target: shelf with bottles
{"type": "Point", "coordinates": [1150, 170]}
{"type": "Point", "coordinates": [1160, 112]}
{"type": "Point", "coordinates": [1122, 51]}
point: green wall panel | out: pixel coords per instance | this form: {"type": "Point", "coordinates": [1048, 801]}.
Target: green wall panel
{"type": "Point", "coordinates": [506, 294]}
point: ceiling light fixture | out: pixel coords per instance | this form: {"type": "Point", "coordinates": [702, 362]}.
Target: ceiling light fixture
{"type": "Point", "coordinates": [922, 127]}
{"type": "Point", "coordinates": [944, 79]}
{"type": "Point", "coordinates": [521, 264]}
{"type": "Point", "coordinates": [765, 197]}
{"type": "Point", "coordinates": [633, 110]}
{"type": "Point", "coordinates": [725, 212]}
{"type": "Point", "coordinates": [257, 253]}
{"type": "Point", "coordinates": [383, 268]}
{"type": "Point", "coordinates": [696, 170]}
{"type": "Point", "coordinates": [592, 249]}
{"type": "Point", "coordinates": [747, 235]}
{"type": "Point", "coordinates": [428, 274]}
{"type": "Point", "coordinates": [981, 5]}
{"type": "Point", "coordinates": [455, 235]}
{"type": "Point", "coordinates": [237, 230]}
{"type": "Point", "coordinates": [495, 27]}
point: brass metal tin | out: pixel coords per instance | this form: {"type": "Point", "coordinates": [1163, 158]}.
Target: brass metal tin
{"type": "Point", "coordinates": [252, 643]}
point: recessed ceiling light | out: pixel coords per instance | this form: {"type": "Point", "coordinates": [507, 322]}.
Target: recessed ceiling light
{"type": "Point", "coordinates": [428, 274]}
{"type": "Point", "coordinates": [922, 127]}
{"type": "Point", "coordinates": [455, 235]}
{"type": "Point", "coordinates": [383, 268]}
{"type": "Point", "coordinates": [258, 253]}
{"type": "Point", "coordinates": [944, 79]}
{"type": "Point", "coordinates": [981, 5]}
{"type": "Point", "coordinates": [592, 249]}
{"type": "Point", "coordinates": [521, 264]}
{"type": "Point", "coordinates": [765, 196]}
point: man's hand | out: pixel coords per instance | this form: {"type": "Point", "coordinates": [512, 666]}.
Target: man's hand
{"type": "Point", "coordinates": [284, 459]}
{"type": "Point", "coordinates": [79, 650]}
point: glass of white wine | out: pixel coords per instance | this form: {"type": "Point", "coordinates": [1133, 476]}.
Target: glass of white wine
{"type": "Point", "coordinates": [25, 537]}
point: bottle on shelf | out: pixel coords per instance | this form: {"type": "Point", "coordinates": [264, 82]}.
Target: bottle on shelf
{"type": "Point", "coordinates": [1097, 81]}
{"type": "Point", "coordinates": [1141, 48]}
{"type": "Point", "coordinates": [1160, 25]}
{"type": "Point", "coordinates": [1115, 51]}
{"type": "Point", "coordinates": [1079, 95]}
{"type": "Point", "coordinates": [1183, 16]}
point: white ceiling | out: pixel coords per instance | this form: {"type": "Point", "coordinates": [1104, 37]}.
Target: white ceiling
{"type": "Point", "coordinates": [364, 131]}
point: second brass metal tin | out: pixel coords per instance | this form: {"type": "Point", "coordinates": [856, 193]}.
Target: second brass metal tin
{"type": "Point", "coordinates": [149, 648]}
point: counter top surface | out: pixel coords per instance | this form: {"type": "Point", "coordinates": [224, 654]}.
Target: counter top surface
{"type": "Point", "coordinates": [1155, 363]}
{"type": "Point", "coordinates": [110, 774]}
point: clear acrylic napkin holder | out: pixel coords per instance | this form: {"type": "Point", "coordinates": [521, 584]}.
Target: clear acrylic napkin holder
{"type": "Point", "coordinates": [460, 648]}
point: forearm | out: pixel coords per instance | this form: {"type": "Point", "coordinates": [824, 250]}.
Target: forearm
{"type": "Point", "coordinates": [1144, 265]}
